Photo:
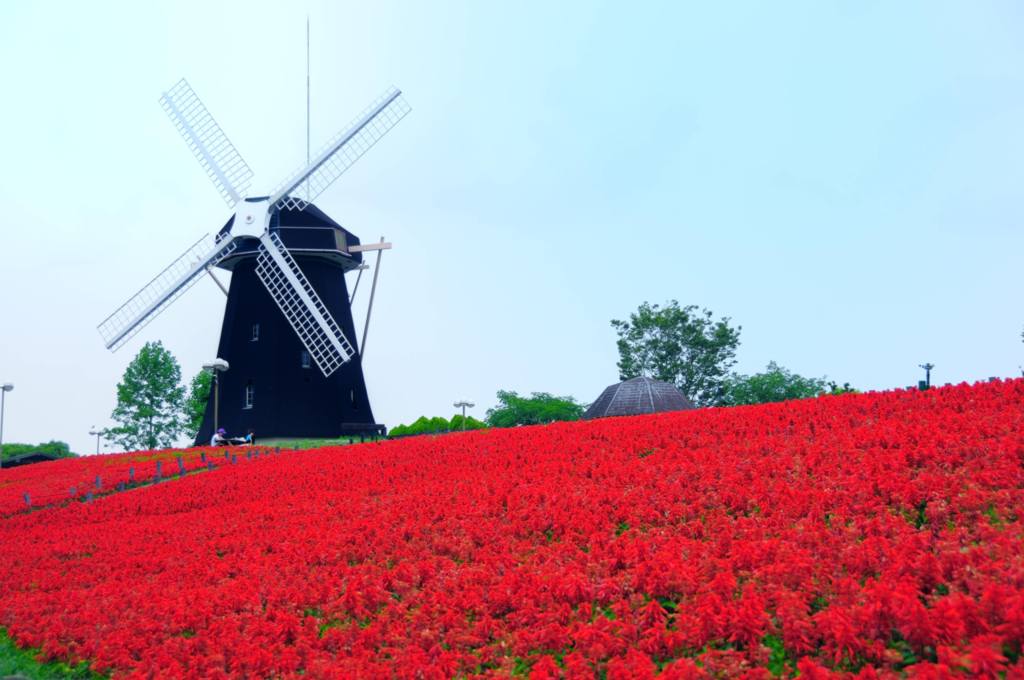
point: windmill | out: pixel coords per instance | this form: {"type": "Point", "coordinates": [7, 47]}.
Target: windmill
{"type": "Point", "coordinates": [281, 318]}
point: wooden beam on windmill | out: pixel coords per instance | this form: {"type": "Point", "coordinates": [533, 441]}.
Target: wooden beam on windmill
{"type": "Point", "coordinates": [370, 247]}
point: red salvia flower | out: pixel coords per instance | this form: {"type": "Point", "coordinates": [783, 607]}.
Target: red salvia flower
{"type": "Point", "coordinates": [872, 535]}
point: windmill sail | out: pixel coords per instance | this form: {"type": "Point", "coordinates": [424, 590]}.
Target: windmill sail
{"type": "Point", "coordinates": [301, 306]}
{"type": "Point", "coordinates": [223, 164]}
{"type": "Point", "coordinates": [164, 289]}
{"type": "Point", "coordinates": [341, 152]}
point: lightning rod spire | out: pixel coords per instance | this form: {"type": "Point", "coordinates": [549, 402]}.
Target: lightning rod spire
{"type": "Point", "coordinates": [307, 95]}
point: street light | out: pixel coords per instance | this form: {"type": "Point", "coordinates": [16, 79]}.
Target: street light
{"type": "Point", "coordinates": [4, 389]}
{"type": "Point", "coordinates": [97, 433]}
{"type": "Point", "coordinates": [217, 366]}
{"type": "Point", "coordinates": [463, 405]}
{"type": "Point", "coordinates": [927, 374]}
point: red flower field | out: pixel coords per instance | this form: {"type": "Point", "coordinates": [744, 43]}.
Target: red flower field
{"type": "Point", "coordinates": [875, 535]}
{"type": "Point", "coordinates": [73, 478]}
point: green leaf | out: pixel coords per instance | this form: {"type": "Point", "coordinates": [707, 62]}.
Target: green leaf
{"type": "Point", "coordinates": [778, 659]}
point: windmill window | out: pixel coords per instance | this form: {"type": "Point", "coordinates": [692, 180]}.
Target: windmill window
{"type": "Point", "coordinates": [255, 332]}
{"type": "Point", "coordinates": [250, 394]}
{"type": "Point", "coordinates": [352, 397]}
{"type": "Point", "coordinates": [306, 361]}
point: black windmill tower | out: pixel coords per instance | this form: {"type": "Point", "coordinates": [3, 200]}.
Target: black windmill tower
{"type": "Point", "coordinates": [288, 336]}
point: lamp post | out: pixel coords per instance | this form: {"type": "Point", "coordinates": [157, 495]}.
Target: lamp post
{"type": "Point", "coordinates": [463, 405]}
{"type": "Point", "coordinates": [4, 389]}
{"type": "Point", "coordinates": [97, 434]}
{"type": "Point", "coordinates": [217, 366]}
{"type": "Point", "coordinates": [927, 374]}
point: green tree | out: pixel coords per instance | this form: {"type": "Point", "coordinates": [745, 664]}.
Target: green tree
{"type": "Point", "coordinates": [536, 409]}
{"type": "Point", "coordinates": [54, 448]}
{"type": "Point", "coordinates": [836, 388]}
{"type": "Point", "coordinates": [471, 423]}
{"type": "Point", "coordinates": [435, 425]}
{"type": "Point", "coordinates": [195, 402]}
{"type": "Point", "coordinates": [421, 425]}
{"type": "Point", "coordinates": [775, 384]}
{"type": "Point", "coordinates": [150, 401]}
{"type": "Point", "coordinates": [439, 424]}
{"type": "Point", "coordinates": [684, 346]}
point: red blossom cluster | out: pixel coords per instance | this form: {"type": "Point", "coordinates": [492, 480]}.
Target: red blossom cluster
{"type": "Point", "coordinates": [874, 535]}
{"type": "Point", "coordinates": [68, 479]}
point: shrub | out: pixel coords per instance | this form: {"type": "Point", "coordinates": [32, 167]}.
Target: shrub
{"type": "Point", "coordinates": [537, 409]}
{"type": "Point", "coordinates": [54, 448]}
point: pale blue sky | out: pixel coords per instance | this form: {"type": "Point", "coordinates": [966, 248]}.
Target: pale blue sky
{"type": "Point", "coordinates": [842, 179]}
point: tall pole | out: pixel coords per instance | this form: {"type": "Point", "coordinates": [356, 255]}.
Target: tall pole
{"type": "Point", "coordinates": [355, 288]}
{"type": "Point", "coordinates": [4, 389]}
{"type": "Point", "coordinates": [216, 400]}
{"type": "Point", "coordinates": [927, 373]}
{"type": "Point", "coordinates": [463, 404]}
{"type": "Point", "coordinates": [307, 100]}
{"type": "Point", "coordinates": [215, 367]}
{"type": "Point", "coordinates": [97, 433]}
{"type": "Point", "coordinates": [369, 309]}
{"type": "Point", "coordinates": [2, 393]}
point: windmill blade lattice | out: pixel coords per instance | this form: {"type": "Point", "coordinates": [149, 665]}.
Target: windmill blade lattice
{"type": "Point", "coordinates": [301, 306]}
{"type": "Point", "coordinates": [341, 152]}
{"type": "Point", "coordinates": [165, 288]}
{"type": "Point", "coordinates": [223, 164]}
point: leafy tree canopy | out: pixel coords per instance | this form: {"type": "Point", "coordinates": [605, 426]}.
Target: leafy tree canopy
{"type": "Point", "coordinates": [436, 425]}
{"type": "Point", "coordinates": [836, 388]}
{"type": "Point", "coordinates": [684, 346]}
{"type": "Point", "coordinates": [774, 384]}
{"type": "Point", "coordinates": [538, 408]}
{"type": "Point", "coordinates": [54, 448]}
{"type": "Point", "coordinates": [422, 425]}
{"type": "Point", "coordinates": [150, 400]}
{"type": "Point", "coordinates": [195, 403]}
{"type": "Point", "coordinates": [470, 424]}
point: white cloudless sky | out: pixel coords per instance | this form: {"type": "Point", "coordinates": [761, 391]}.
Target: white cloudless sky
{"type": "Point", "coordinates": [841, 179]}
